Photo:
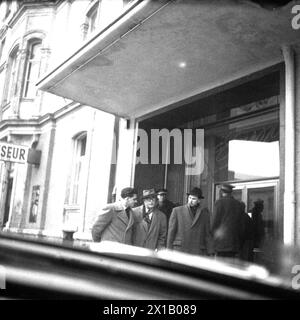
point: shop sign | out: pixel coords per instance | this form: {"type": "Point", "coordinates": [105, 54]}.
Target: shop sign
{"type": "Point", "coordinates": [13, 153]}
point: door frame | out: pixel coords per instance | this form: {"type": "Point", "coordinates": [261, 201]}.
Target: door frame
{"type": "Point", "coordinates": [252, 184]}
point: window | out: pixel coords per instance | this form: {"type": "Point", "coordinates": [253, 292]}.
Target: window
{"type": "Point", "coordinates": [1, 47]}
{"type": "Point", "coordinates": [33, 64]}
{"type": "Point", "coordinates": [11, 75]}
{"type": "Point", "coordinates": [8, 8]}
{"type": "Point", "coordinates": [127, 2]}
{"type": "Point", "coordinates": [92, 21]}
{"type": "Point", "coordinates": [92, 15]}
{"type": "Point", "coordinates": [78, 167]}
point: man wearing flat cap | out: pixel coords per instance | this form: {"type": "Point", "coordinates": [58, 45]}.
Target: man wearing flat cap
{"type": "Point", "coordinates": [116, 220]}
{"type": "Point", "coordinates": [164, 204]}
{"type": "Point", "coordinates": [150, 229]}
{"type": "Point", "coordinates": [189, 226]}
{"type": "Point", "coordinates": [227, 224]}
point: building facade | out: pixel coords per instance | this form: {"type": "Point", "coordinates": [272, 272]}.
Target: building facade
{"type": "Point", "coordinates": [68, 175]}
{"type": "Point", "coordinates": [113, 74]}
{"type": "Point", "coordinates": [230, 70]}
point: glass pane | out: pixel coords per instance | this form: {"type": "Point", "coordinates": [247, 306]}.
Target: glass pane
{"type": "Point", "coordinates": [245, 150]}
{"type": "Point", "coordinates": [33, 69]}
{"type": "Point", "coordinates": [253, 159]}
{"type": "Point", "coordinates": [237, 194]}
{"type": "Point", "coordinates": [261, 208]}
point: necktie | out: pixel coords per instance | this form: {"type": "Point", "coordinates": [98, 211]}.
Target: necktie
{"type": "Point", "coordinates": [127, 210]}
{"type": "Point", "coordinates": [147, 218]}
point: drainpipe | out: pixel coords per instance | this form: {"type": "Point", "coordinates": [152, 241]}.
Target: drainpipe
{"type": "Point", "coordinates": [289, 172]}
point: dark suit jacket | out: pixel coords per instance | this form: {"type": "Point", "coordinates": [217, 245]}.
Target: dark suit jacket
{"type": "Point", "coordinates": [190, 233]}
{"type": "Point", "coordinates": [153, 237]}
{"type": "Point", "coordinates": [227, 225]}
{"type": "Point", "coordinates": [113, 224]}
{"type": "Point", "coordinates": [166, 207]}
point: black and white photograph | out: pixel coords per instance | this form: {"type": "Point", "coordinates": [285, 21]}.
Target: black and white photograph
{"type": "Point", "coordinates": [149, 151]}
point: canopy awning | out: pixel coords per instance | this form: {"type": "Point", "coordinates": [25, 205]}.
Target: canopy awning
{"type": "Point", "coordinates": [162, 52]}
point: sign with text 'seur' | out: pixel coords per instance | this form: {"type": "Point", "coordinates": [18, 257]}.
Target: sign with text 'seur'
{"type": "Point", "coordinates": [13, 153]}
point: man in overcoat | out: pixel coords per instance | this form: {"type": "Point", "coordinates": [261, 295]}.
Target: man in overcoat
{"type": "Point", "coordinates": [189, 226]}
{"type": "Point", "coordinates": [227, 224]}
{"type": "Point", "coordinates": [150, 230]}
{"type": "Point", "coordinates": [164, 204]}
{"type": "Point", "coordinates": [115, 222]}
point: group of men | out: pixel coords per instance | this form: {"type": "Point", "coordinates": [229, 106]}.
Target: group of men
{"type": "Point", "coordinates": [158, 223]}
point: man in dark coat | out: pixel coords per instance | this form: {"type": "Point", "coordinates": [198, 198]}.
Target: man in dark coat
{"type": "Point", "coordinates": [164, 204]}
{"type": "Point", "coordinates": [227, 224]}
{"type": "Point", "coordinates": [115, 222]}
{"type": "Point", "coordinates": [189, 226]}
{"type": "Point", "coordinates": [150, 229]}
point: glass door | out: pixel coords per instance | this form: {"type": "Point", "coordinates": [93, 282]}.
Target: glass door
{"type": "Point", "coordinates": [261, 200]}
{"type": "Point", "coordinates": [262, 206]}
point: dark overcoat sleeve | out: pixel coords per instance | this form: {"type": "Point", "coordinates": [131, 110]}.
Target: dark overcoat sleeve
{"type": "Point", "coordinates": [216, 217]}
{"type": "Point", "coordinates": [103, 220]}
{"type": "Point", "coordinates": [161, 243]}
{"type": "Point", "coordinates": [173, 223]}
{"type": "Point", "coordinates": [208, 234]}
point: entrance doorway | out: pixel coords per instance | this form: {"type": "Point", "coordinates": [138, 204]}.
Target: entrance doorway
{"type": "Point", "coordinates": [253, 192]}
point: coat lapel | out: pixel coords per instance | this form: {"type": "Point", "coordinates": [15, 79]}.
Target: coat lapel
{"type": "Point", "coordinates": [131, 220]}
{"type": "Point", "coordinates": [188, 214]}
{"type": "Point", "coordinates": [197, 215]}
{"type": "Point", "coordinates": [121, 213]}
{"type": "Point", "coordinates": [139, 217]}
{"type": "Point", "coordinates": [153, 222]}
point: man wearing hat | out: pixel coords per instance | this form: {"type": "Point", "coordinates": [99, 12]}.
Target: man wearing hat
{"type": "Point", "coordinates": [189, 226]}
{"type": "Point", "coordinates": [115, 222]}
{"type": "Point", "coordinates": [227, 224]}
{"type": "Point", "coordinates": [151, 224]}
{"type": "Point", "coordinates": [163, 204]}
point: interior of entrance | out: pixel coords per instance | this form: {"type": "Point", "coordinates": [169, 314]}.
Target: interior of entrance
{"type": "Point", "coordinates": [241, 143]}
{"type": "Point", "coordinates": [262, 194]}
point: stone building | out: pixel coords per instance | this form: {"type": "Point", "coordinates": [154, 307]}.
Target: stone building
{"type": "Point", "coordinates": [229, 68]}
{"type": "Point", "coordinates": [68, 172]}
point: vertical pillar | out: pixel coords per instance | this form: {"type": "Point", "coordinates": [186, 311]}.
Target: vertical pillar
{"type": "Point", "coordinates": [297, 142]}
{"type": "Point", "coordinates": [289, 172]}
{"type": "Point", "coordinates": [126, 154]}
{"type": "Point", "coordinates": [44, 199]}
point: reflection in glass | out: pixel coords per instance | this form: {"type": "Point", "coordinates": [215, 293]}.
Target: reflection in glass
{"type": "Point", "coordinates": [261, 203]}
{"type": "Point", "coordinates": [253, 159]}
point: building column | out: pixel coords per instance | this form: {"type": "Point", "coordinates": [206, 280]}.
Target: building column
{"type": "Point", "coordinates": [126, 154]}
{"type": "Point", "coordinates": [45, 189]}
{"type": "Point", "coordinates": [297, 142]}
{"type": "Point", "coordinates": [289, 172]}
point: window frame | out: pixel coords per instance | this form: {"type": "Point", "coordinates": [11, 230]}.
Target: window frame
{"type": "Point", "coordinates": [30, 62]}
{"type": "Point", "coordinates": [78, 163]}
{"type": "Point", "coordinates": [92, 15]}
{"type": "Point", "coordinates": [11, 75]}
